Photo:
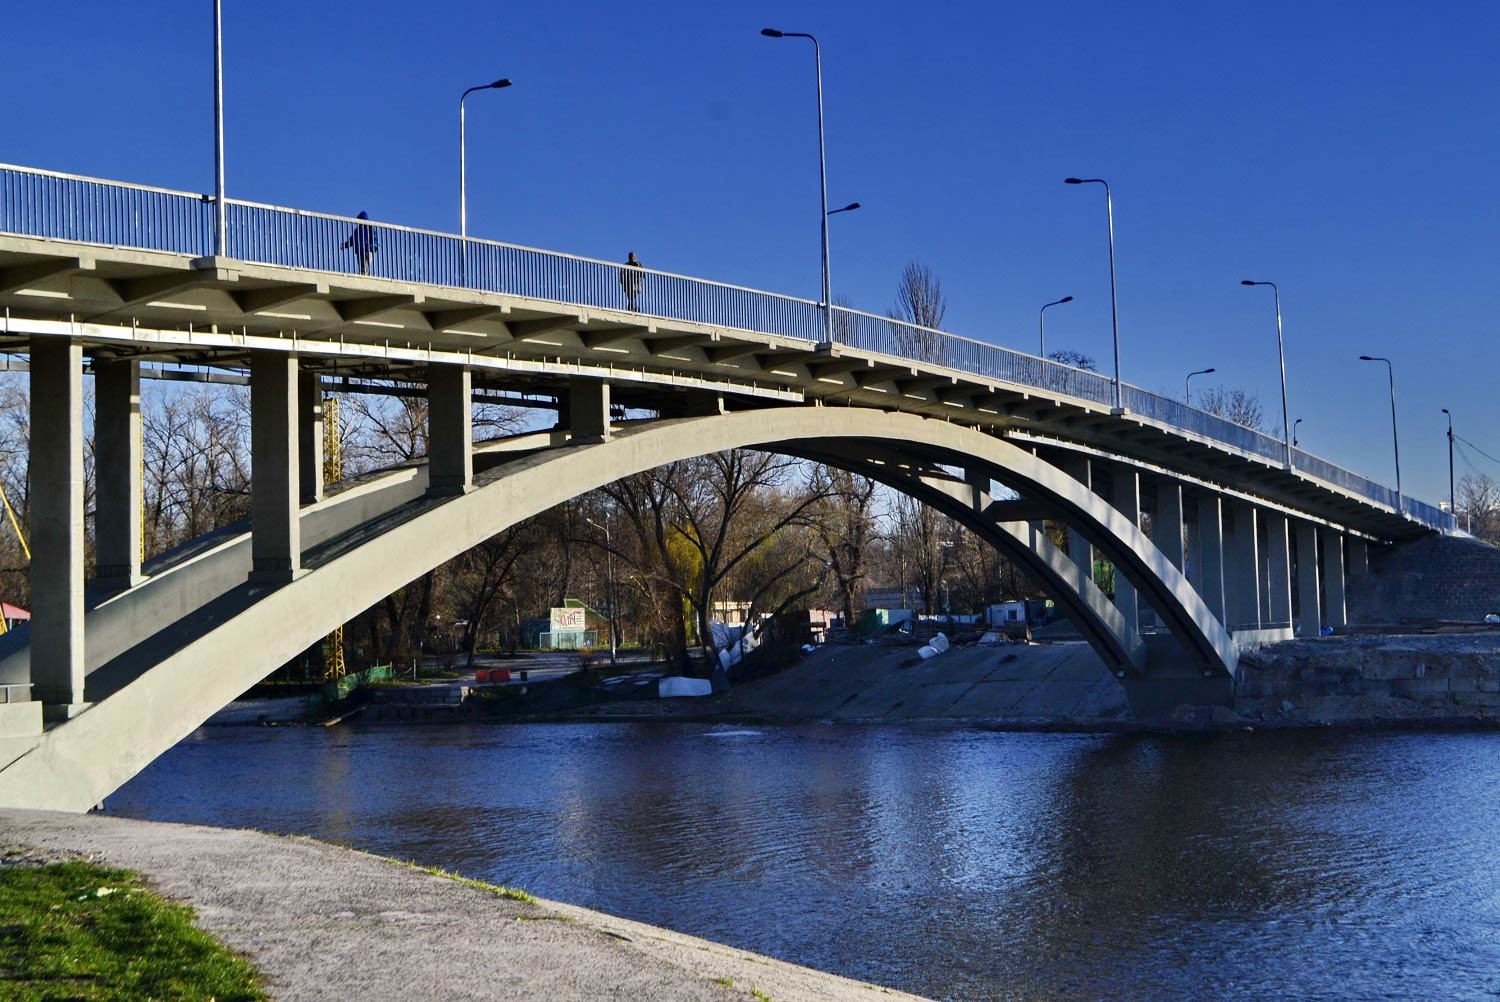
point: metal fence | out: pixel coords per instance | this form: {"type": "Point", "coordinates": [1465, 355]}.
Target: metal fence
{"type": "Point", "coordinates": [87, 210]}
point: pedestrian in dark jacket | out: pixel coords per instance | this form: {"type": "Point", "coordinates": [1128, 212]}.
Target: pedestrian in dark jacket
{"type": "Point", "coordinates": [362, 242]}
{"type": "Point", "coordinates": [630, 282]}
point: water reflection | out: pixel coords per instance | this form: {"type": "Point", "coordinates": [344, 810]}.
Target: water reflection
{"type": "Point", "coordinates": [951, 863]}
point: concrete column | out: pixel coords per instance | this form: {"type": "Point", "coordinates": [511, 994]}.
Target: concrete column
{"type": "Point", "coordinates": [1166, 525]}
{"type": "Point", "coordinates": [1242, 568]}
{"type": "Point", "coordinates": [1334, 613]}
{"type": "Point", "coordinates": [1358, 553]}
{"type": "Point", "coordinates": [275, 532]}
{"type": "Point", "coordinates": [1279, 570]}
{"type": "Point", "coordinates": [57, 665]}
{"type": "Point", "coordinates": [588, 410]}
{"type": "Point", "coordinates": [1079, 548]}
{"type": "Point", "coordinates": [1126, 488]}
{"type": "Point", "coordinates": [1211, 554]}
{"type": "Point", "coordinates": [117, 473]}
{"type": "Point", "coordinates": [1309, 591]}
{"type": "Point", "coordinates": [310, 430]}
{"type": "Point", "coordinates": [450, 430]}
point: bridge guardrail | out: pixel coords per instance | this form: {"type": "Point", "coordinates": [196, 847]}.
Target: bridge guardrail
{"type": "Point", "coordinates": [89, 210]}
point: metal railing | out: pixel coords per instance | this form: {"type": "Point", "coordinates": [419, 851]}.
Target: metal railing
{"type": "Point", "coordinates": [88, 210]}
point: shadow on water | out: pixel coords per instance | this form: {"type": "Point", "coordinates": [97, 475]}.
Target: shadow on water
{"type": "Point", "coordinates": [955, 864]}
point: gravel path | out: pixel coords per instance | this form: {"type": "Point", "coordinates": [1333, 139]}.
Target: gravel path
{"type": "Point", "coordinates": [323, 922]}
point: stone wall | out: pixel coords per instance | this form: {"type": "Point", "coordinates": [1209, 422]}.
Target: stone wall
{"type": "Point", "coordinates": [1435, 577]}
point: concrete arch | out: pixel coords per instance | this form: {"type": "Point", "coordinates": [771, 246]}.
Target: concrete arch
{"type": "Point", "coordinates": [76, 764]}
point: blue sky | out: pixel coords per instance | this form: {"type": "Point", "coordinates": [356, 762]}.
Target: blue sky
{"type": "Point", "coordinates": [1344, 150]}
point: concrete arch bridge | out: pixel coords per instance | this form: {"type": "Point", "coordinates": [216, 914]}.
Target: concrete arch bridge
{"type": "Point", "coordinates": [111, 283]}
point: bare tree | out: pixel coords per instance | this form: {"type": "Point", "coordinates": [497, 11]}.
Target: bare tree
{"type": "Point", "coordinates": [1479, 505]}
{"type": "Point", "coordinates": [919, 311]}
{"type": "Point", "coordinates": [845, 526]}
{"type": "Point", "coordinates": [1234, 404]}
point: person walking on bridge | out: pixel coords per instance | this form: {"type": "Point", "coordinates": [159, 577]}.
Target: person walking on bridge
{"type": "Point", "coordinates": [630, 282]}
{"type": "Point", "coordinates": [362, 242]}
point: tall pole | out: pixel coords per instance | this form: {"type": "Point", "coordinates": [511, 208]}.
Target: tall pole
{"type": "Point", "coordinates": [1041, 324]}
{"type": "Point", "coordinates": [1187, 384]}
{"type": "Point", "coordinates": [463, 165]}
{"type": "Point", "coordinates": [1281, 352]}
{"type": "Point", "coordinates": [609, 558]}
{"type": "Point", "coordinates": [221, 209]}
{"type": "Point", "coordinates": [822, 176]}
{"type": "Point", "coordinates": [1390, 371]}
{"type": "Point", "coordinates": [1114, 299]}
{"type": "Point", "coordinates": [1452, 494]}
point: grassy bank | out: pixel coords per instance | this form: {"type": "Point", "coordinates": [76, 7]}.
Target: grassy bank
{"type": "Point", "coordinates": [77, 931]}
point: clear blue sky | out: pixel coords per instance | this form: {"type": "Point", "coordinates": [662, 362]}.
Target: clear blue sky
{"type": "Point", "coordinates": [1345, 150]}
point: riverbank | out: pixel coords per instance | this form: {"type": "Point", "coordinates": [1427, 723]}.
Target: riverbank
{"type": "Point", "coordinates": [320, 922]}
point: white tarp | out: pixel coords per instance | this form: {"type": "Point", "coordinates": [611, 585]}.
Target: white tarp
{"type": "Point", "coordinates": [936, 646]}
{"type": "Point", "coordinates": [676, 685]}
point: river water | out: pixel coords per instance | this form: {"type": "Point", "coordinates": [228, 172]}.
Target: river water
{"type": "Point", "coordinates": [952, 863]}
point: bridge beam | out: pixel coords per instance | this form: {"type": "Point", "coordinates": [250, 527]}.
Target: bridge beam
{"type": "Point", "coordinates": [117, 473]}
{"type": "Point", "coordinates": [1309, 589]}
{"type": "Point", "coordinates": [450, 430]}
{"type": "Point", "coordinates": [57, 661]}
{"type": "Point", "coordinates": [310, 437]}
{"type": "Point", "coordinates": [275, 524]}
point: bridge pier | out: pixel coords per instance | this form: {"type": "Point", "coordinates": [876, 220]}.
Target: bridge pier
{"type": "Point", "coordinates": [1125, 490]}
{"type": "Point", "coordinates": [1242, 568]}
{"type": "Point", "coordinates": [57, 661]}
{"type": "Point", "coordinates": [117, 473]}
{"type": "Point", "coordinates": [1278, 571]}
{"type": "Point", "coordinates": [1210, 554]}
{"type": "Point", "coordinates": [1079, 548]}
{"type": "Point", "coordinates": [588, 411]}
{"type": "Point", "coordinates": [275, 523]}
{"type": "Point", "coordinates": [450, 430]}
{"type": "Point", "coordinates": [310, 434]}
{"type": "Point", "coordinates": [1309, 587]}
{"type": "Point", "coordinates": [1334, 612]}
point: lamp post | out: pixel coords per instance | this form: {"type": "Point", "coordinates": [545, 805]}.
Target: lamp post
{"type": "Point", "coordinates": [1390, 372]}
{"type": "Point", "coordinates": [609, 555]}
{"type": "Point", "coordinates": [1281, 351]}
{"type": "Point", "coordinates": [822, 174]}
{"type": "Point", "coordinates": [1041, 324]}
{"type": "Point", "coordinates": [1294, 432]}
{"type": "Point", "coordinates": [1187, 384]}
{"type": "Point", "coordinates": [1114, 299]}
{"type": "Point", "coordinates": [1452, 495]}
{"type": "Point", "coordinates": [463, 165]}
{"type": "Point", "coordinates": [221, 209]}
{"type": "Point", "coordinates": [848, 208]}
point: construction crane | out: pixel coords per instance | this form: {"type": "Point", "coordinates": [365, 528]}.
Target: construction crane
{"type": "Point", "coordinates": [333, 472]}
{"type": "Point", "coordinates": [15, 523]}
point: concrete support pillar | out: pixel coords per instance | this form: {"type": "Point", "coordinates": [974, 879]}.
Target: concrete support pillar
{"type": "Point", "coordinates": [450, 430]}
{"type": "Point", "coordinates": [1079, 548]}
{"type": "Point", "coordinates": [1167, 523]}
{"type": "Point", "coordinates": [1126, 489]}
{"type": "Point", "coordinates": [1242, 568]}
{"type": "Point", "coordinates": [1357, 551]}
{"type": "Point", "coordinates": [275, 531]}
{"type": "Point", "coordinates": [1278, 570]}
{"type": "Point", "coordinates": [1211, 554]}
{"type": "Point", "coordinates": [117, 473]}
{"type": "Point", "coordinates": [1334, 613]}
{"type": "Point", "coordinates": [57, 665]}
{"type": "Point", "coordinates": [588, 410]}
{"type": "Point", "coordinates": [310, 428]}
{"type": "Point", "coordinates": [1309, 590]}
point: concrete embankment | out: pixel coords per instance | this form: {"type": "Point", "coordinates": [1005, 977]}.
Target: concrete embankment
{"type": "Point", "coordinates": [321, 922]}
{"type": "Point", "coordinates": [1353, 680]}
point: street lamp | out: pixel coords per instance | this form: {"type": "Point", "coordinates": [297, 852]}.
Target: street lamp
{"type": "Point", "coordinates": [1294, 432]}
{"type": "Point", "coordinates": [1452, 496]}
{"type": "Point", "coordinates": [822, 174]}
{"type": "Point", "coordinates": [1041, 323]}
{"type": "Point", "coordinates": [1281, 350]}
{"type": "Point", "coordinates": [221, 209]}
{"type": "Point", "coordinates": [1395, 439]}
{"type": "Point", "coordinates": [1114, 299]}
{"type": "Point", "coordinates": [1187, 384]}
{"type": "Point", "coordinates": [848, 208]}
{"type": "Point", "coordinates": [463, 167]}
{"type": "Point", "coordinates": [609, 556]}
